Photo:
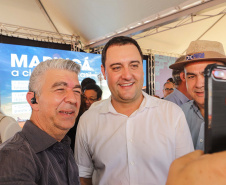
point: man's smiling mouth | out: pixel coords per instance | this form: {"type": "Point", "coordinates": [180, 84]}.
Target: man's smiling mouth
{"type": "Point", "coordinates": [128, 84]}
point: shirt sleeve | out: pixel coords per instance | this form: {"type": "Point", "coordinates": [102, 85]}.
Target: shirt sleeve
{"type": "Point", "coordinates": [184, 142]}
{"type": "Point", "coordinates": [82, 151]}
{"type": "Point", "coordinates": [17, 168]}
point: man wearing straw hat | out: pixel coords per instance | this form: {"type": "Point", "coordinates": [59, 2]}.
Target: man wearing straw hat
{"type": "Point", "coordinates": [198, 55]}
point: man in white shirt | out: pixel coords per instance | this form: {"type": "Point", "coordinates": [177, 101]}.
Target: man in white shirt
{"type": "Point", "coordinates": [130, 138]}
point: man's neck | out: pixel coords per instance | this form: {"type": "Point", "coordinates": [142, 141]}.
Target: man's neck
{"type": "Point", "coordinates": [127, 108]}
{"type": "Point", "coordinates": [201, 109]}
{"type": "Point", "coordinates": [50, 131]}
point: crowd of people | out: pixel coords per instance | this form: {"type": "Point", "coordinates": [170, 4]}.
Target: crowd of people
{"type": "Point", "coordinates": [130, 138]}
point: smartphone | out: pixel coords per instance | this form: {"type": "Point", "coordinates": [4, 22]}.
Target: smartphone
{"type": "Point", "coordinates": [215, 108]}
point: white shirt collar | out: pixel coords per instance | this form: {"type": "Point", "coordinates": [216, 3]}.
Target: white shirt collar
{"type": "Point", "coordinates": [148, 102]}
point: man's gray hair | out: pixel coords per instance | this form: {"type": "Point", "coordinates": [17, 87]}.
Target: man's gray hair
{"type": "Point", "coordinates": [36, 75]}
{"type": "Point", "coordinates": [167, 83]}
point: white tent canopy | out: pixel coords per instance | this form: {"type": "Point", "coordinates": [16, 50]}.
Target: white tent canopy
{"type": "Point", "coordinates": [92, 23]}
{"type": "Point", "coordinates": [175, 37]}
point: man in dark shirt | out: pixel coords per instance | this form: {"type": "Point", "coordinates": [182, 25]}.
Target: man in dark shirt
{"type": "Point", "coordinates": [40, 153]}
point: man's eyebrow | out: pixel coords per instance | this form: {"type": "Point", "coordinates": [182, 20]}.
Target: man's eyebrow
{"type": "Point", "coordinates": [56, 84]}
{"type": "Point", "coordinates": [115, 64]}
{"type": "Point", "coordinates": [135, 61]}
{"type": "Point", "coordinates": [189, 73]}
{"type": "Point", "coordinates": [78, 86]}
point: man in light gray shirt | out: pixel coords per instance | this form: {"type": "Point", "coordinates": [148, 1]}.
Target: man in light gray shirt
{"type": "Point", "coordinates": [180, 94]}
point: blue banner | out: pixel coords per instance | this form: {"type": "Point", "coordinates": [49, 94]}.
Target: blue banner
{"type": "Point", "coordinates": [17, 63]}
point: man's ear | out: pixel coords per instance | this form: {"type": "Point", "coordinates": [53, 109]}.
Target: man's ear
{"type": "Point", "coordinates": [182, 76]}
{"type": "Point", "coordinates": [103, 71]}
{"type": "Point", "coordinates": [29, 96]}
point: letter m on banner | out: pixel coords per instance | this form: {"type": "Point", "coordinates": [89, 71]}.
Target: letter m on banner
{"type": "Point", "coordinates": [15, 62]}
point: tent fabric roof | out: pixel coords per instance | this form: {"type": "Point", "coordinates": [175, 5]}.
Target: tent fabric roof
{"type": "Point", "coordinates": [205, 25]}
{"type": "Point", "coordinates": [92, 20]}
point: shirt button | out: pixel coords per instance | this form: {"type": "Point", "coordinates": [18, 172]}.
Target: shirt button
{"type": "Point", "coordinates": [132, 163]}
{"type": "Point", "coordinates": [131, 140]}
{"type": "Point", "coordinates": [201, 140]}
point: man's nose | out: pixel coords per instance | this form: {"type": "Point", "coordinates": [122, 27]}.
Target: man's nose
{"type": "Point", "coordinates": [200, 81]}
{"type": "Point", "coordinates": [87, 100]}
{"type": "Point", "coordinates": [71, 97]}
{"type": "Point", "coordinates": [126, 73]}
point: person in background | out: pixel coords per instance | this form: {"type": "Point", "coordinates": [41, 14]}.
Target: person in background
{"type": "Point", "coordinates": [199, 54]}
{"type": "Point", "coordinates": [168, 88]}
{"type": "Point", "coordinates": [40, 154]}
{"type": "Point", "coordinates": [87, 81]}
{"type": "Point", "coordinates": [131, 137]}
{"type": "Point", "coordinates": [91, 94]}
{"type": "Point", "coordinates": [196, 168]}
{"type": "Point", "coordinates": [180, 94]}
{"type": "Point", "coordinates": [170, 80]}
{"type": "Point", "coordinates": [72, 132]}
{"type": "Point", "coordinates": [8, 127]}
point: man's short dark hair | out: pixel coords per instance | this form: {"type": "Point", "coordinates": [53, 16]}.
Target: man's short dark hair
{"type": "Point", "coordinates": [119, 41]}
{"type": "Point", "coordinates": [87, 81]}
{"type": "Point", "coordinates": [176, 72]}
{"type": "Point", "coordinates": [170, 80]}
{"type": "Point", "coordinates": [167, 83]}
{"type": "Point", "coordinates": [94, 87]}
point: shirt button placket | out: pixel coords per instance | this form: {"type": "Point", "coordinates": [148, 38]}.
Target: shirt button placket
{"type": "Point", "coordinates": [131, 163]}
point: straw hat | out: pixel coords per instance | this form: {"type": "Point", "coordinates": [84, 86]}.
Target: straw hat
{"type": "Point", "coordinates": [202, 50]}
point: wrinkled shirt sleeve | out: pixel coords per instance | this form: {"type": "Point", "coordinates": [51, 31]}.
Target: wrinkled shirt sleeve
{"type": "Point", "coordinates": [82, 152]}
{"type": "Point", "coordinates": [184, 142]}
{"type": "Point", "coordinates": [17, 168]}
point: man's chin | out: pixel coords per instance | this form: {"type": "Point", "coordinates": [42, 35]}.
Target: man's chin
{"type": "Point", "coordinates": [200, 103]}
{"type": "Point", "coordinates": [127, 99]}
